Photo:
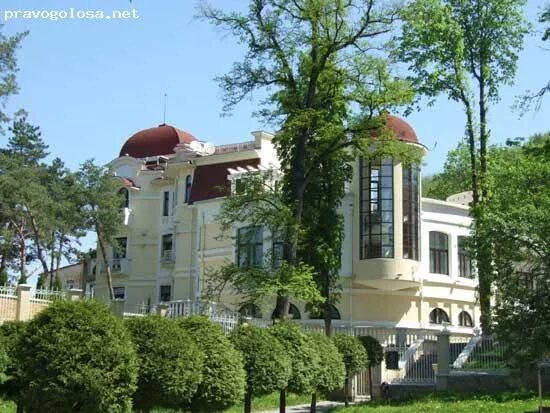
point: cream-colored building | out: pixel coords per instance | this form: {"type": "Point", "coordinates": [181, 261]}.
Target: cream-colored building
{"type": "Point", "coordinates": [403, 260]}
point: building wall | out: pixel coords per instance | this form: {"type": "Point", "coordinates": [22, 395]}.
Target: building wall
{"type": "Point", "coordinates": [383, 291]}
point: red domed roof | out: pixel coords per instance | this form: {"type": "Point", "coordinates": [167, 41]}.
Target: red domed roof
{"type": "Point", "coordinates": [155, 141]}
{"type": "Point", "coordinates": [401, 129]}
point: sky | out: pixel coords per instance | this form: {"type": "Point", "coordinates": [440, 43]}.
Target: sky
{"type": "Point", "coordinates": [91, 84]}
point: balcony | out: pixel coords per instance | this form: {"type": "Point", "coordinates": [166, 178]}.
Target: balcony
{"type": "Point", "coordinates": [168, 257]}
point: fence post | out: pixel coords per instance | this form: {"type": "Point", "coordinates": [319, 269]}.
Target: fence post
{"type": "Point", "coordinates": [74, 294]}
{"type": "Point", "coordinates": [117, 307]}
{"type": "Point", "coordinates": [162, 309]}
{"type": "Point", "coordinates": [23, 302]}
{"type": "Point", "coordinates": [443, 360]}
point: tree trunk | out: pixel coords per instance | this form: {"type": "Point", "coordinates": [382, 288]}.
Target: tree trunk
{"type": "Point", "coordinates": [38, 246]}
{"type": "Point", "coordinates": [346, 392]}
{"type": "Point", "coordinates": [248, 401]}
{"type": "Point", "coordinates": [473, 151]}
{"type": "Point", "coordinates": [313, 407]}
{"type": "Point", "coordinates": [22, 256]}
{"type": "Point", "coordinates": [370, 381]}
{"type": "Point", "coordinates": [483, 250]}
{"type": "Point", "coordinates": [326, 311]}
{"type": "Point", "coordinates": [107, 266]}
{"type": "Point", "coordinates": [282, 401]}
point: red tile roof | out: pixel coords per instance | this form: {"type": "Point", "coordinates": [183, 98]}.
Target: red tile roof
{"type": "Point", "coordinates": [210, 181]}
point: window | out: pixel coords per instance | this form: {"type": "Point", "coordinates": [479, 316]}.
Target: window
{"type": "Point", "coordinates": [410, 212]}
{"type": "Point", "coordinates": [249, 246]}
{"type": "Point", "coordinates": [69, 284]}
{"type": "Point", "coordinates": [167, 248]}
{"type": "Point", "coordinates": [250, 310]}
{"type": "Point", "coordinates": [465, 320]}
{"type": "Point", "coordinates": [119, 248]}
{"type": "Point", "coordinates": [188, 184]}
{"type": "Point", "coordinates": [119, 292]}
{"type": "Point", "coordinates": [464, 260]}
{"type": "Point", "coordinates": [125, 197]}
{"type": "Point", "coordinates": [317, 314]}
{"type": "Point", "coordinates": [278, 249]}
{"type": "Point", "coordinates": [439, 253]}
{"type": "Point", "coordinates": [293, 312]}
{"type": "Point", "coordinates": [438, 316]}
{"type": "Point", "coordinates": [165, 293]}
{"type": "Point", "coordinates": [376, 209]}
{"type": "Point", "coordinates": [166, 204]}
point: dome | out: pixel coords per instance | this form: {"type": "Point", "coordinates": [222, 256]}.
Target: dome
{"type": "Point", "coordinates": [401, 129]}
{"type": "Point", "coordinates": [155, 141]}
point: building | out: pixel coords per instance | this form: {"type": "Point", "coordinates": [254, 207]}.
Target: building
{"type": "Point", "coordinates": [404, 263]}
{"type": "Point", "coordinates": [80, 276]}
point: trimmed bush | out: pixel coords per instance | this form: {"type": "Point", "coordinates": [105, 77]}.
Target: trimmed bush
{"type": "Point", "coordinates": [303, 356]}
{"type": "Point", "coordinates": [10, 334]}
{"type": "Point", "coordinates": [170, 364]}
{"type": "Point", "coordinates": [266, 362]}
{"type": "Point", "coordinates": [332, 371]}
{"type": "Point", "coordinates": [354, 355]}
{"type": "Point", "coordinates": [223, 377]}
{"type": "Point", "coordinates": [375, 354]}
{"type": "Point", "coordinates": [76, 357]}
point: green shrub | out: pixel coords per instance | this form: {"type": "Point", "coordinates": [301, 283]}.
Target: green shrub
{"type": "Point", "coordinates": [170, 363]}
{"type": "Point", "coordinates": [223, 377]}
{"type": "Point", "coordinates": [266, 363]}
{"type": "Point", "coordinates": [303, 355]}
{"type": "Point", "coordinates": [331, 373]}
{"type": "Point", "coordinates": [355, 358]}
{"type": "Point", "coordinates": [10, 334]}
{"type": "Point", "coordinates": [76, 357]}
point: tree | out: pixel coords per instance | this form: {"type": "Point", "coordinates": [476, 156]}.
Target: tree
{"type": "Point", "coordinates": [266, 363]}
{"type": "Point", "coordinates": [75, 356]}
{"type": "Point", "coordinates": [355, 358]}
{"type": "Point", "coordinates": [8, 69]}
{"type": "Point", "coordinates": [331, 370]}
{"type": "Point", "coordinates": [259, 203]}
{"type": "Point", "coordinates": [324, 90]}
{"type": "Point", "coordinates": [170, 365]}
{"type": "Point", "coordinates": [466, 49]}
{"type": "Point", "coordinates": [375, 354]}
{"type": "Point", "coordinates": [518, 223]}
{"type": "Point", "coordinates": [223, 378]}
{"type": "Point", "coordinates": [101, 202]}
{"type": "Point", "coordinates": [304, 360]}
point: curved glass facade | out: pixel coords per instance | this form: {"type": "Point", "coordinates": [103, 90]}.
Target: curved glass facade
{"type": "Point", "coordinates": [376, 209]}
{"type": "Point", "coordinates": [411, 213]}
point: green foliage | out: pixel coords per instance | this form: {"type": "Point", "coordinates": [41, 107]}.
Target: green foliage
{"type": "Point", "coordinates": [331, 370]}
{"type": "Point", "coordinates": [8, 68]}
{"type": "Point", "coordinates": [266, 362]}
{"type": "Point", "coordinates": [303, 356]}
{"type": "Point", "coordinates": [169, 363]}
{"type": "Point", "coordinates": [57, 284]}
{"type": "Point", "coordinates": [354, 354]}
{"type": "Point", "coordinates": [223, 377]}
{"type": "Point", "coordinates": [518, 224]}
{"type": "Point", "coordinates": [10, 334]}
{"type": "Point", "coordinates": [375, 351]}
{"type": "Point", "coordinates": [76, 357]}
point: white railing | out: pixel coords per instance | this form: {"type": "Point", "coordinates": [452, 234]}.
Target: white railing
{"type": "Point", "coordinates": [8, 291]}
{"type": "Point", "coordinates": [168, 256]}
{"type": "Point", "coordinates": [235, 147]}
{"type": "Point", "coordinates": [47, 295]}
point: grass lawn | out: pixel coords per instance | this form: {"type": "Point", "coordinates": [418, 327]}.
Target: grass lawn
{"type": "Point", "coordinates": [502, 403]}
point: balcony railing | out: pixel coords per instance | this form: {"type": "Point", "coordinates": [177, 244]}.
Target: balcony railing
{"type": "Point", "coordinates": [168, 256]}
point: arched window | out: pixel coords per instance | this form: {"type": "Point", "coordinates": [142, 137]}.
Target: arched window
{"type": "Point", "coordinates": [465, 319]}
{"type": "Point", "coordinates": [439, 253]}
{"type": "Point", "coordinates": [188, 184]}
{"type": "Point", "coordinates": [318, 313]}
{"type": "Point", "coordinates": [125, 198]}
{"type": "Point", "coordinates": [438, 316]}
{"type": "Point", "coordinates": [250, 310]}
{"type": "Point", "coordinates": [293, 312]}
